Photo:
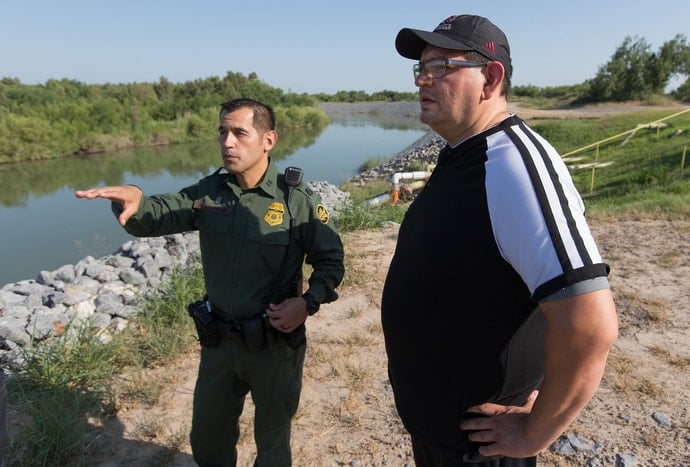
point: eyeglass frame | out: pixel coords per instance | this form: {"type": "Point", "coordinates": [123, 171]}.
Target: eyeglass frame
{"type": "Point", "coordinates": [420, 67]}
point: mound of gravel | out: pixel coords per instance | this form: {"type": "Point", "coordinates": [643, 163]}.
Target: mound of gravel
{"type": "Point", "coordinates": [422, 152]}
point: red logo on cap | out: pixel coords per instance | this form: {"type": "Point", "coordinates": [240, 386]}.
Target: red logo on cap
{"type": "Point", "coordinates": [490, 47]}
{"type": "Point", "coordinates": [446, 24]}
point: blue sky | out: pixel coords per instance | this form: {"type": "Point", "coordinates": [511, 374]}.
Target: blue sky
{"type": "Point", "coordinates": [309, 46]}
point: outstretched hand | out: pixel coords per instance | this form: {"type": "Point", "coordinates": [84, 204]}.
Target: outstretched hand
{"type": "Point", "coordinates": [503, 428]}
{"type": "Point", "coordinates": [129, 197]}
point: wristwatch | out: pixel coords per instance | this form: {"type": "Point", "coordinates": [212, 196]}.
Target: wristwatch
{"type": "Point", "coordinates": [313, 304]}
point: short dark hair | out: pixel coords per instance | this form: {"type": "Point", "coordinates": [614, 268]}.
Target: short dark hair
{"type": "Point", "coordinates": [475, 56]}
{"type": "Point", "coordinates": [264, 117]}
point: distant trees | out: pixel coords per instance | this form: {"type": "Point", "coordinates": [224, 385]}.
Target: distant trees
{"type": "Point", "coordinates": [634, 72]}
{"type": "Point", "coordinates": [362, 96]}
{"type": "Point", "coordinates": [63, 117]}
{"type": "Point", "coordinates": [560, 94]}
{"type": "Point", "coordinates": [683, 91]}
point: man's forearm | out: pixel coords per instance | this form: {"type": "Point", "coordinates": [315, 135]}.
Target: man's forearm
{"type": "Point", "coordinates": [580, 331]}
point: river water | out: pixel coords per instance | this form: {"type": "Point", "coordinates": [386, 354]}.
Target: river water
{"type": "Point", "coordinates": [43, 226]}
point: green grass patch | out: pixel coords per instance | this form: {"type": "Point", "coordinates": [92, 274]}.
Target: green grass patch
{"type": "Point", "coordinates": [372, 163]}
{"type": "Point", "coordinates": [643, 171]}
{"type": "Point", "coordinates": [363, 191]}
{"type": "Point", "coordinates": [358, 215]}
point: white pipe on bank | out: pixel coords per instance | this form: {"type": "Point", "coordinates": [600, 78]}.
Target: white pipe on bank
{"type": "Point", "coordinates": [376, 200]}
{"type": "Point", "coordinates": [396, 178]}
{"type": "Point", "coordinates": [417, 175]}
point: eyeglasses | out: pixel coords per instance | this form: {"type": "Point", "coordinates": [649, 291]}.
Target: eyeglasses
{"type": "Point", "coordinates": [437, 68]}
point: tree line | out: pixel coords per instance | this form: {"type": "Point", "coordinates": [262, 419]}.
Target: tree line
{"type": "Point", "coordinates": [67, 117]}
{"type": "Point", "coordinates": [634, 72]}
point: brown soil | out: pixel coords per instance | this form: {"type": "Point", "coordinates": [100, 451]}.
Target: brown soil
{"type": "Point", "coordinates": [347, 416]}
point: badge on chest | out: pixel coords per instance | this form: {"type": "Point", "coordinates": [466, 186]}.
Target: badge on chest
{"type": "Point", "coordinates": [274, 214]}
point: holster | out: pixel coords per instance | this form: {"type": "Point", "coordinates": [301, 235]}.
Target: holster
{"type": "Point", "coordinates": [206, 326]}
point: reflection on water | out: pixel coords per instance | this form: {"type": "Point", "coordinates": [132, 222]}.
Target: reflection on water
{"type": "Point", "coordinates": [44, 226]}
{"type": "Point", "coordinates": [41, 178]}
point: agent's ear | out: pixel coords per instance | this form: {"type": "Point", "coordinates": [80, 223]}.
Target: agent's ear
{"type": "Point", "coordinates": [494, 78]}
{"type": "Point", "coordinates": [270, 139]}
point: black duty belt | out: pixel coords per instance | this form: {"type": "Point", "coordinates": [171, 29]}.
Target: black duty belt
{"type": "Point", "coordinates": [230, 329]}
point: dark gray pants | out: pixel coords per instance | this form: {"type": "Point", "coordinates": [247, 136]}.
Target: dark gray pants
{"type": "Point", "coordinates": [226, 374]}
{"type": "Point", "coordinates": [426, 455]}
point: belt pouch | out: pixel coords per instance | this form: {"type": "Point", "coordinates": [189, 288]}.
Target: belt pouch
{"type": "Point", "coordinates": [253, 332]}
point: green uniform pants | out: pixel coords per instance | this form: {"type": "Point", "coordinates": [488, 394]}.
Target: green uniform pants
{"type": "Point", "coordinates": [226, 374]}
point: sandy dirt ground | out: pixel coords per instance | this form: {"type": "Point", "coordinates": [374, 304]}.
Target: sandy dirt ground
{"type": "Point", "coordinates": [347, 415]}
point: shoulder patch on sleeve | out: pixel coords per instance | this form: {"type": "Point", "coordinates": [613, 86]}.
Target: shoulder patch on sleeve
{"type": "Point", "coordinates": [322, 213]}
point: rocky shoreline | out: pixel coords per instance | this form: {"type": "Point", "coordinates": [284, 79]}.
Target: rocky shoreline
{"type": "Point", "coordinates": [101, 293]}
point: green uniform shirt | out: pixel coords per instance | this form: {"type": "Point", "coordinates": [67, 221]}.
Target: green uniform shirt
{"type": "Point", "coordinates": [244, 236]}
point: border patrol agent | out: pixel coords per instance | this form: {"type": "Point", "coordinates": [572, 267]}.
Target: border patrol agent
{"type": "Point", "coordinates": [255, 228]}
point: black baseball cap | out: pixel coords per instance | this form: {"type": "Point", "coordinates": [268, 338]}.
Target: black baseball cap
{"type": "Point", "coordinates": [459, 32]}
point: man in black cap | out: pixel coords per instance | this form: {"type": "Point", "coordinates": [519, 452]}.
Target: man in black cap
{"type": "Point", "coordinates": [496, 311]}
